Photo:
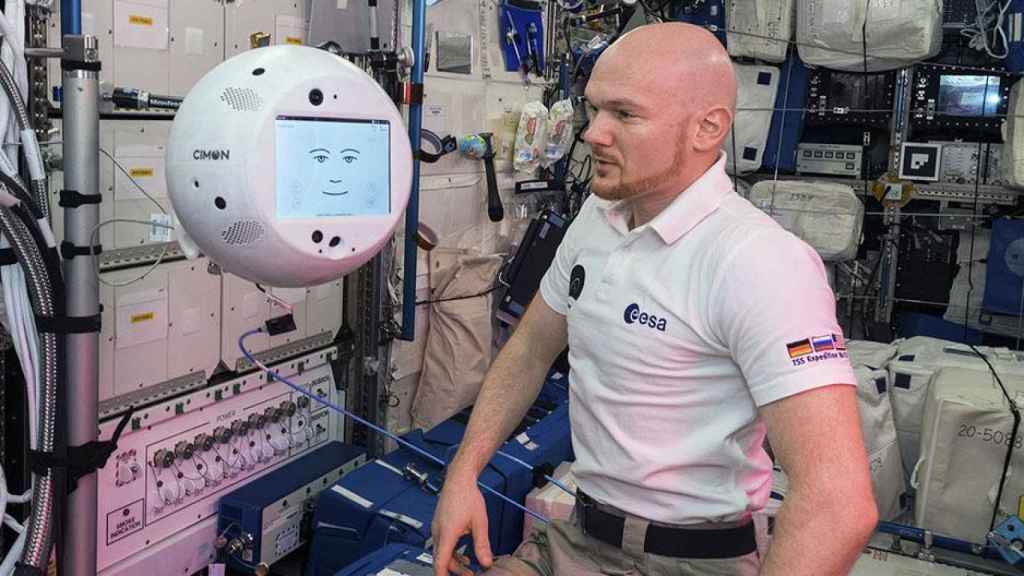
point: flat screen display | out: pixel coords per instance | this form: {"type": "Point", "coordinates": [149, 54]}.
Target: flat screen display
{"type": "Point", "coordinates": [968, 96]}
{"type": "Point", "coordinates": [332, 167]}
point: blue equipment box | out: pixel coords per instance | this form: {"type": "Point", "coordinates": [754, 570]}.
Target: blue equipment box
{"type": "Point", "coordinates": [1005, 271]}
{"type": "Point", "coordinates": [384, 503]}
{"type": "Point", "coordinates": [400, 558]}
{"type": "Point", "coordinates": [788, 122]}
{"type": "Point", "coordinates": [271, 510]}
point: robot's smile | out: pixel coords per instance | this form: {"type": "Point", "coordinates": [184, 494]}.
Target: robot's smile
{"type": "Point", "coordinates": [326, 193]}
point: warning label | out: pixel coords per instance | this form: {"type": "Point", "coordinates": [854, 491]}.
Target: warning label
{"type": "Point", "coordinates": [124, 521]}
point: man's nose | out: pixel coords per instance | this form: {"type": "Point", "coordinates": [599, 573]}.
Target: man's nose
{"type": "Point", "coordinates": [597, 132]}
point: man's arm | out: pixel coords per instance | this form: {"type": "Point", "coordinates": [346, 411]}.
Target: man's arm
{"type": "Point", "coordinates": [829, 511]}
{"type": "Point", "coordinates": [511, 385]}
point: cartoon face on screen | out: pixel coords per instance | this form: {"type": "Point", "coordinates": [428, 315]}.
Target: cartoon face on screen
{"type": "Point", "coordinates": [334, 170]}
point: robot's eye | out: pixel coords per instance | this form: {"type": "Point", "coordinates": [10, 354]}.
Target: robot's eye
{"type": "Point", "coordinates": [349, 158]}
{"type": "Point", "coordinates": [321, 158]}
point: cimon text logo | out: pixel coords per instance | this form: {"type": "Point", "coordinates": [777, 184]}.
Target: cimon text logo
{"type": "Point", "coordinates": [211, 154]}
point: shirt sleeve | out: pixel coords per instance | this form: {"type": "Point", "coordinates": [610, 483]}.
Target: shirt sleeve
{"type": "Point", "coordinates": [773, 308]}
{"type": "Point", "coordinates": [554, 286]}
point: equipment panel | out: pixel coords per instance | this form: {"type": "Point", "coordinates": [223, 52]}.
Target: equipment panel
{"type": "Point", "coordinates": [830, 159]}
{"type": "Point", "coordinates": [843, 98]}
{"type": "Point", "coordinates": [963, 162]}
{"type": "Point", "coordinates": [179, 457]}
{"type": "Point", "coordinates": [974, 100]}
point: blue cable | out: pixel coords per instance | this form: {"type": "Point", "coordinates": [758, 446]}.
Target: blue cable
{"type": "Point", "coordinates": [340, 410]}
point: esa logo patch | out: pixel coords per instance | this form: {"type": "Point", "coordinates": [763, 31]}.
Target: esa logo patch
{"type": "Point", "coordinates": [576, 281]}
{"type": "Point", "coordinates": [634, 315]}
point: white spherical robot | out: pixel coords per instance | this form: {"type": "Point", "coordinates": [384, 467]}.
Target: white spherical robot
{"type": "Point", "coordinates": [288, 166]}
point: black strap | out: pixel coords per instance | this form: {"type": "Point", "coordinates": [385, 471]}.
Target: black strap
{"type": "Point", "coordinates": [74, 199]}
{"type": "Point", "coordinates": [69, 250]}
{"type": "Point", "coordinates": [671, 541]}
{"type": "Point", "coordinates": [69, 324]}
{"type": "Point", "coordinates": [7, 257]}
{"type": "Point", "coordinates": [539, 473]}
{"type": "Point", "coordinates": [80, 461]}
{"type": "Point", "coordinates": [21, 569]}
{"type": "Point", "coordinates": [80, 65]}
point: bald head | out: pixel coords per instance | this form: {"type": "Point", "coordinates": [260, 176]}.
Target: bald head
{"type": "Point", "coordinates": [683, 64]}
{"type": "Point", "coordinates": [661, 101]}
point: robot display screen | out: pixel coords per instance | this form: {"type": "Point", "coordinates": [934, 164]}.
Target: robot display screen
{"type": "Point", "coordinates": [970, 96]}
{"type": "Point", "coordinates": [332, 167]}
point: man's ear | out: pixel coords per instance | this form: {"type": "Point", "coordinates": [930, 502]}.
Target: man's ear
{"type": "Point", "coordinates": [712, 129]}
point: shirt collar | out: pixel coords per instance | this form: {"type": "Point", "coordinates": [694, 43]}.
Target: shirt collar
{"type": "Point", "coordinates": [688, 209]}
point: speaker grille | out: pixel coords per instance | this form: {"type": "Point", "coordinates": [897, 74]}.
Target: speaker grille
{"type": "Point", "coordinates": [242, 99]}
{"type": "Point", "coordinates": [242, 233]}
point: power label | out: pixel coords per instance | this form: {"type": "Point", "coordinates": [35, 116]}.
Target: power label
{"type": "Point", "coordinates": [125, 521]}
{"type": "Point", "coordinates": [140, 20]}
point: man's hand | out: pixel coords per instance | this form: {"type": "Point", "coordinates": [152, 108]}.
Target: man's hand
{"type": "Point", "coordinates": [460, 510]}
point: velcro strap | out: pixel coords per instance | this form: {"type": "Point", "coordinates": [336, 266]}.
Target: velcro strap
{"type": "Point", "coordinates": [69, 250]}
{"type": "Point", "coordinates": [7, 257]}
{"type": "Point", "coordinates": [81, 460]}
{"type": "Point", "coordinates": [80, 65]}
{"type": "Point", "coordinates": [69, 324]}
{"type": "Point", "coordinates": [73, 199]}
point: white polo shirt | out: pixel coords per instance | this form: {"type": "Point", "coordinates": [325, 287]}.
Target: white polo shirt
{"type": "Point", "coordinates": [678, 331]}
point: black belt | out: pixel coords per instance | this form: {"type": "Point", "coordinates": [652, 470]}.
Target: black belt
{"type": "Point", "coordinates": [672, 541]}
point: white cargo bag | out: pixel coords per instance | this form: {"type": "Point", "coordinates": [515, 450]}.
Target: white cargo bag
{"type": "Point", "coordinates": [880, 440]}
{"type": "Point", "coordinates": [871, 354]}
{"type": "Point", "coordinates": [759, 28]}
{"type": "Point", "coordinates": [829, 33]}
{"type": "Point", "coordinates": [917, 359]}
{"type": "Point", "coordinates": [826, 215]}
{"type": "Point", "coordinates": [965, 437]}
{"type": "Point", "coordinates": [1012, 160]}
{"type": "Point", "coordinates": [755, 99]}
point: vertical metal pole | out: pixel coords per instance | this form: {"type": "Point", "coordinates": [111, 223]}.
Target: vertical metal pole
{"type": "Point", "coordinates": [891, 247]}
{"type": "Point", "coordinates": [81, 130]}
{"type": "Point", "coordinates": [412, 212]}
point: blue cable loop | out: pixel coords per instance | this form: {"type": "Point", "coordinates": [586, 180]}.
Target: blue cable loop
{"type": "Point", "coordinates": [340, 410]}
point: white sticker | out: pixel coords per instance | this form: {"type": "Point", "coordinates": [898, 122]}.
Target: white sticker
{"type": "Point", "coordinates": [531, 446]}
{"type": "Point", "coordinates": [883, 10]}
{"type": "Point", "coordinates": [140, 25]}
{"type": "Point", "coordinates": [435, 119]}
{"type": "Point", "coordinates": [523, 439]}
{"type": "Point", "coordinates": [191, 321]}
{"type": "Point", "coordinates": [290, 30]}
{"type": "Point", "coordinates": [425, 558]}
{"type": "Point", "coordinates": [389, 467]}
{"type": "Point", "coordinates": [407, 520]}
{"type": "Point", "coordinates": [160, 232]}
{"type": "Point", "coordinates": [342, 4]}
{"type": "Point", "coordinates": [195, 41]}
{"type": "Point", "coordinates": [352, 496]}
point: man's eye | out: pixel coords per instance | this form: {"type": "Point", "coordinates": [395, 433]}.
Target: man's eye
{"type": "Point", "coordinates": [350, 159]}
{"type": "Point", "coordinates": [321, 158]}
{"type": "Point", "coordinates": [623, 114]}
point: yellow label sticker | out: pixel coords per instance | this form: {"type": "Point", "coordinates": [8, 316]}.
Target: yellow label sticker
{"type": "Point", "coordinates": [141, 172]}
{"type": "Point", "coordinates": [140, 20]}
{"type": "Point", "coordinates": [1020, 507]}
{"type": "Point", "coordinates": [143, 317]}
{"type": "Point", "coordinates": [293, 40]}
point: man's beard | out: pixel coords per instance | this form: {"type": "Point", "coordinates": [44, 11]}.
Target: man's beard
{"type": "Point", "coordinates": [627, 190]}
